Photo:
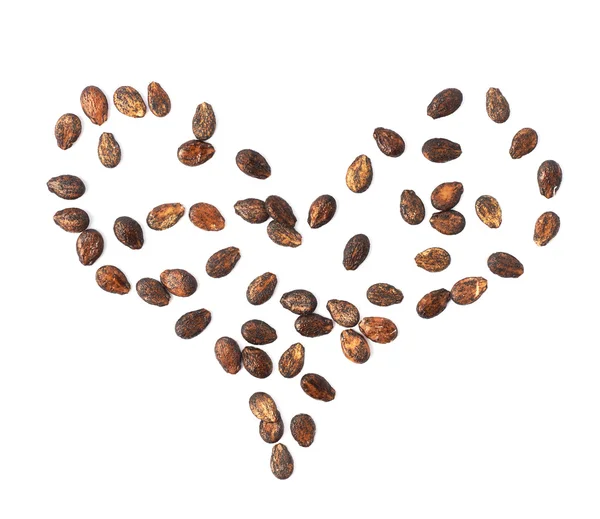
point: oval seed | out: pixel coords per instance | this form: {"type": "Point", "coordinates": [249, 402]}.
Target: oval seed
{"type": "Point", "coordinates": [303, 429]}
{"type": "Point", "coordinates": [192, 324]}
{"type": "Point", "coordinates": [67, 130]}
{"type": "Point", "coordinates": [229, 355]}
{"type": "Point", "coordinates": [112, 280]}
{"type": "Point", "coordinates": [257, 362]}
{"type": "Point", "coordinates": [546, 228]}
{"type": "Point", "coordinates": [292, 361]}
{"type": "Point", "coordinates": [129, 102]}
{"type": "Point", "coordinates": [355, 346]}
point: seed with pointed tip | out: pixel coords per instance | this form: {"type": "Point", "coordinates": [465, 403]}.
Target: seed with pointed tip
{"type": "Point", "coordinates": [505, 265]}
{"type": "Point", "coordinates": [179, 282]}
{"type": "Point", "coordinates": [321, 211]}
{"type": "Point", "coordinates": [434, 259]}
{"type": "Point", "coordinates": [222, 262]}
{"type": "Point", "coordinates": [497, 106]}
{"type": "Point", "coordinates": [356, 251]}
{"type": "Point", "coordinates": [261, 289]}
{"type": "Point", "coordinates": [384, 294]}
{"type": "Point", "coordinates": [204, 122]}
{"type": "Point", "coordinates": [448, 222]}
{"type": "Point", "coordinates": [489, 211]}
{"type": "Point", "coordinates": [282, 463]}
{"type": "Point", "coordinates": [355, 346]}
{"type": "Point", "coordinates": [271, 432]}
{"type": "Point", "coordinates": [360, 174]}
{"type": "Point", "coordinates": [90, 245]}
{"type": "Point", "coordinates": [263, 407]}
{"type": "Point", "coordinates": [313, 325]}
{"type": "Point", "coordinates": [283, 235]}
{"type": "Point", "coordinates": [67, 187]}
{"type": "Point", "coordinates": [165, 216]}
{"type": "Point", "coordinates": [253, 164]}
{"type": "Point", "coordinates": [300, 302]}
{"type": "Point", "coordinates": [72, 219]}
{"type": "Point", "coordinates": [129, 102]}
{"type": "Point", "coordinates": [433, 303]}
{"type": "Point", "coordinates": [280, 210]}
{"type": "Point", "coordinates": [441, 150]}
{"type": "Point", "coordinates": [67, 130]}
{"type": "Point", "coordinates": [257, 362]}
{"type": "Point", "coordinates": [523, 143]}
{"type": "Point", "coordinates": [549, 177]}
{"type": "Point", "coordinates": [412, 209]}
{"type": "Point", "coordinates": [159, 101]}
{"type": "Point", "coordinates": [317, 387]}
{"type": "Point", "coordinates": [468, 290]}
{"type": "Point", "coordinates": [292, 361]}
{"type": "Point", "coordinates": [343, 312]}
{"type": "Point", "coordinates": [229, 355]}
{"type": "Point", "coordinates": [303, 429]}
{"type": "Point", "coordinates": [152, 292]}
{"type": "Point", "coordinates": [258, 332]}
{"type": "Point", "coordinates": [112, 280]}
{"type": "Point", "coordinates": [389, 142]}
{"type": "Point", "coordinates": [94, 104]}
{"type": "Point", "coordinates": [192, 324]}
{"type": "Point", "coordinates": [252, 210]}
{"type": "Point", "coordinates": [445, 196]}
{"type": "Point", "coordinates": [546, 228]}
{"type": "Point", "coordinates": [378, 329]}
{"type": "Point", "coordinates": [194, 153]}
{"type": "Point", "coordinates": [445, 103]}
{"type": "Point", "coordinates": [109, 151]}
{"type": "Point", "coordinates": [207, 217]}
{"type": "Point", "coordinates": [129, 232]}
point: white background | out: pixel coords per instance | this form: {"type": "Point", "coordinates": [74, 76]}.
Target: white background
{"type": "Point", "coordinates": [485, 411]}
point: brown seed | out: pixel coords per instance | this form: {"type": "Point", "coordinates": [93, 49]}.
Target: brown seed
{"type": "Point", "coordinates": [67, 130]}
{"type": "Point", "coordinates": [282, 463]}
{"type": "Point", "coordinates": [112, 280]}
{"type": "Point", "coordinates": [489, 211]}
{"type": "Point", "coordinates": [207, 217]}
{"type": "Point", "coordinates": [253, 164]}
{"type": "Point", "coordinates": [523, 143]}
{"type": "Point", "coordinates": [445, 103]}
{"type": "Point", "coordinates": [229, 355]}
{"type": "Point", "coordinates": [441, 150]}
{"type": "Point", "coordinates": [261, 289]}
{"type": "Point", "coordinates": [389, 142]}
{"type": "Point", "coordinates": [94, 104]}
{"type": "Point", "coordinates": [271, 432]}
{"type": "Point", "coordinates": [343, 312]}
{"type": "Point", "coordinates": [356, 251]}
{"type": "Point", "coordinates": [68, 187]}
{"type": "Point", "coordinates": [321, 211]}
{"type": "Point", "coordinates": [303, 429]}
{"type": "Point", "coordinates": [505, 265]}
{"type": "Point", "coordinates": [433, 303]}
{"type": "Point", "coordinates": [468, 290]}
{"type": "Point", "coordinates": [193, 153]}
{"type": "Point", "coordinates": [280, 210]}
{"type": "Point", "coordinates": [179, 282]}
{"type": "Point", "coordinates": [448, 222]}
{"type": "Point", "coordinates": [109, 151]}
{"type": "Point", "coordinates": [72, 219]}
{"type": "Point", "coordinates": [549, 178]}
{"type": "Point", "coordinates": [446, 195]}
{"type": "Point", "coordinates": [283, 235]}
{"type": "Point", "coordinates": [355, 346]}
{"type": "Point", "coordinates": [129, 102]}
{"type": "Point", "coordinates": [292, 361]}
{"type": "Point", "coordinates": [159, 101]}
{"type": "Point", "coordinates": [129, 232]}
{"type": "Point", "coordinates": [378, 329]}
{"type": "Point", "coordinates": [263, 407]}
{"type": "Point", "coordinates": [434, 259]}
{"type": "Point", "coordinates": [204, 122]}
{"type": "Point", "coordinates": [152, 292]}
{"type": "Point", "coordinates": [257, 362]}
{"type": "Point", "coordinates": [382, 294]}
{"type": "Point", "coordinates": [300, 302]}
{"type": "Point", "coordinates": [258, 332]}
{"type": "Point", "coordinates": [252, 210]}
{"type": "Point", "coordinates": [412, 209]}
{"type": "Point", "coordinates": [317, 387]}
{"type": "Point", "coordinates": [192, 324]}
{"type": "Point", "coordinates": [546, 228]}
{"type": "Point", "coordinates": [165, 216]}
{"type": "Point", "coordinates": [222, 262]}
{"type": "Point", "coordinates": [313, 325]}
{"type": "Point", "coordinates": [360, 174]}
{"type": "Point", "coordinates": [497, 106]}
{"type": "Point", "coordinates": [90, 245]}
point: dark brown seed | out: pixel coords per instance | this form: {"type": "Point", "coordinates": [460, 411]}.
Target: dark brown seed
{"type": "Point", "coordinates": [343, 312]}
{"type": "Point", "coordinates": [90, 245]}
{"type": "Point", "coordinates": [257, 362]}
{"type": "Point", "coordinates": [505, 265]}
{"type": "Point", "coordinates": [412, 209]}
{"type": "Point", "coordinates": [67, 130]}
{"type": "Point", "coordinates": [448, 222]}
{"type": "Point", "coordinates": [72, 219]}
{"type": "Point", "coordinates": [129, 102]}
{"type": "Point", "coordinates": [258, 332]}
{"type": "Point", "coordinates": [549, 177]}
{"type": "Point", "coordinates": [389, 142]}
{"type": "Point", "coordinates": [165, 216]}
{"type": "Point", "coordinates": [356, 251]}
{"type": "Point", "coordinates": [283, 235]}
{"type": "Point", "coordinates": [263, 407]}
{"type": "Point", "coordinates": [446, 195]}
{"type": "Point", "coordinates": [497, 106]}
{"type": "Point", "coordinates": [194, 153]}
{"type": "Point", "coordinates": [355, 346]}
{"type": "Point", "coordinates": [271, 432]}
{"type": "Point", "coordinates": [112, 280]}
{"type": "Point", "coordinates": [192, 324]}
{"type": "Point", "coordinates": [382, 294]}
{"type": "Point", "coordinates": [129, 232]}
{"type": "Point", "coordinates": [261, 289]}
{"type": "Point", "coordinates": [321, 211]}
{"type": "Point", "coordinates": [222, 262]}
{"type": "Point", "coordinates": [253, 164]}
{"type": "Point", "coordinates": [252, 210]}
{"type": "Point", "coordinates": [207, 217]}
{"type": "Point", "coordinates": [280, 210]}
{"type": "Point", "coordinates": [468, 290]}
{"type": "Point", "coordinates": [152, 292]}
{"type": "Point", "coordinates": [94, 104]}
{"type": "Point", "coordinates": [303, 429]}
{"type": "Point", "coordinates": [489, 211]}
{"type": "Point", "coordinates": [523, 143]}
{"type": "Point", "coordinates": [179, 282]}
{"type": "Point", "coordinates": [313, 325]}
{"type": "Point", "coordinates": [300, 302]}
{"type": "Point", "coordinates": [109, 151]}
{"type": "Point", "coordinates": [360, 174]}
{"type": "Point", "coordinates": [445, 103]}
{"type": "Point", "coordinates": [68, 187]}
{"type": "Point", "coordinates": [158, 100]}
{"type": "Point", "coordinates": [229, 355]}
{"type": "Point", "coordinates": [204, 122]}
{"type": "Point", "coordinates": [441, 150]}
{"type": "Point", "coordinates": [434, 259]}
{"type": "Point", "coordinates": [282, 463]}
{"type": "Point", "coordinates": [317, 387]}
{"type": "Point", "coordinates": [378, 329]}
{"type": "Point", "coordinates": [292, 361]}
{"type": "Point", "coordinates": [546, 228]}
{"type": "Point", "coordinates": [433, 303]}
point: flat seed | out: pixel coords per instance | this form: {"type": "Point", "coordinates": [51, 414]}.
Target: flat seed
{"type": "Point", "coordinates": [378, 329]}
{"type": "Point", "coordinates": [258, 332]}
{"type": "Point", "coordinates": [546, 228]}
{"type": "Point", "coordinates": [313, 325]}
{"type": "Point", "coordinates": [111, 279]}
{"type": "Point", "coordinates": [497, 106]}
{"type": "Point", "coordinates": [67, 130]}
{"type": "Point", "coordinates": [72, 219]}
{"type": "Point", "coordinates": [204, 122]}
{"type": "Point", "coordinates": [194, 153]}
{"type": "Point", "coordinates": [303, 429]}
{"type": "Point", "coordinates": [468, 290]}
{"type": "Point", "coordinates": [263, 407]}
{"type": "Point", "coordinates": [257, 362]}
{"type": "Point", "coordinates": [271, 432]}
{"type": "Point", "coordinates": [109, 151]}
{"type": "Point", "coordinates": [222, 262]}
{"type": "Point", "coordinates": [165, 216]}
{"type": "Point", "coordinates": [282, 463]}
{"type": "Point", "coordinates": [283, 235]}
{"type": "Point", "coordinates": [129, 232]}
{"type": "Point", "coordinates": [321, 211]}
{"type": "Point", "coordinates": [489, 211]}
{"type": "Point", "coordinates": [253, 164]}
{"type": "Point", "coordinates": [441, 150]}
{"type": "Point", "coordinates": [433, 303]}
{"type": "Point", "coordinates": [229, 355]}
{"type": "Point", "coordinates": [355, 346]}
{"type": "Point", "coordinates": [252, 210]}
{"type": "Point", "coordinates": [291, 361]}
{"type": "Point", "coordinates": [445, 196]}
{"type": "Point", "coordinates": [389, 142]}
{"type": "Point", "coordinates": [67, 187]}
{"type": "Point", "coordinates": [317, 387]}
{"type": "Point", "coordinates": [300, 302]}
{"type": "Point", "coordinates": [261, 289]}
{"type": "Point", "coordinates": [159, 101]}
{"type": "Point", "coordinates": [434, 259]}
{"type": "Point", "coordinates": [549, 178]}
{"type": "Point", "coordinates": [94, 104]}
{"type": "Point", "coordinates": [90, 245]}
{"type": "Point", "coordinates": [280, 210]}
{"type": "Point", "coordinates": [448, 222]}
{"type": "Point", "coordinates": [356, 251]}
{"type": "Point", "coordinates": [192, 324]}
{"type": "Point", "coordinates": [179, 282]}
{"type": "Point", "coordinates": [412, 209]}
{"type": "Point", "coordinates": [523, 143]}
{"type": "Point", "coordinates": [360, 174]}
{"type": "Point", "coordinates": [445, 103]}
{"type": "Point", "coordinates": [343, 312]}
{"type": "Point", "coordinates": [207, 217]}
{"type": "Point", "coordinates": [152, 292]}
{"type": "Point", "coordinates": [504, 265]}
{"type": "Point", "coordinates": [129, 102]}
{"type": "Point", "coordinates": [383, 294]}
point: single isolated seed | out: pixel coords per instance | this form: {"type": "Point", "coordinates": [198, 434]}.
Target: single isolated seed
{"type": "Point", "coordinates": [179, 282]}
{"type": "Point", "coordinates": [497, 106]}
{"type": "Point", "coordinates": [222, 262]}
{"type": "Point", "coordinates": [282, 463]}
{"type": "Point", "coordinates": [448, 222]}
{"type": "Point", "coordinates": [257, 362]}
{"type": "Point", "coordinates": [291, 361]}
{"type": "Point", "coordinates": [378, 329]}
{"type": "Point", "coordinates": [271, 432]}
{"type": "Point", "coordinates": [152, 292]}
{"type": "Point", "coordinates": [159, 101]}
{"type": "Point", "coordinates": [445, 196]}
{"type": "Point", "coordinates": [94, 104]}
{"type": "Point", "coordinates": [192, 324]}
{"type": "Point", "coordinates": [129, 102]}
{"type": "Point", "coordinates": [445, 103]}
{"type": "Point", "coordinates": [194, 153]}
{"type": "Point", "coordinates": [441, 150]}
{"type": "Point", "coordinates": [299, 302]}
{"type": "Point", "coordinates": [67, 130]}
{"type": "Point", "coordinates": [434, 259]}
{"type": "Point", "coordinates": [468, 290]}
{"type": "Point", "coordinates": [204, 122]}
{"type": "Point", "coordinates": [489, 211]}
{"type": "Point", "coordinates": [280, 210]}
{"type": "Point", "coordinates": [317, 387]}
{"type": "Point", "coordinates": [261, 289]}
{"type": "Point", "coordinates": [389, 142]}
{"type": "Point", "coordinates": [412, 209]}
{"type": "Point", "coordinates": [229, 355]}
{"type": "Point", "coordinates": [356, 251]}
{"type": "Point", "coordinates": [109, 151]}
{"type": "Point", "coordinates": [549, 177]}
{"type": "Point", "coordinates": [207, 217]}
{"type": "Point", "coordinates": [343, 312]}
{"type": "Point", "coordinates": [263, 407]}
{"type": "Point", "coordinates": [258, 332]}
{"type": "Point", "coordinates": [355, 346]}
{"type": "Point", "coordinates": [303, 429]}
{"type": "Point", "coordinates": [360, 174]}
{"type": "Point", "coordinates": [523, 143]}
{"type": "Point", "coordinates": [165, 216]}
{"type": "Point", "coordinates": [67, 187]}
{"type": "Point", "coordinates": [129, 232]}
{"type": "Point", "coordinates": [321, 211]}
{"type": "Point", "coordinates": [90, 245]}
{"type": "Point", "coordinates": [546, 228]}
{"type": "Point", "coordinates": [253, 164]}
{"type": "Point", "coordinates": [112, 280]}
{"type": "Point", "coordinates": [283, 235]}
{"type": "Point", "coordinates": [313, 325]}
{"type": "Point", "coordinates": [72, 219]}
{"type": "Point", "coordinates": [504, 265]}
{"type": "Point", "coordinates": [383, 294]}
{"type": "Point", "coordinates": [252, 210]}
{"type": "Point", "coordinates": [433, 303]}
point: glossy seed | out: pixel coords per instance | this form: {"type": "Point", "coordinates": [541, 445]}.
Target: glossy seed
{"type": "Point", "coordinates": [356, 251]}
{"type": "Point", "coordinates": [280, 210]}
{"type": "Point", "coordinates": [271, 432]}
{"type": "Point", "coordinates": [360, 174]}
{"type": "Point", "coordinates": [291, 361]}
{"type": "Point", "coordinates": [441, 150]}
{"type": "Point", "coordinates": [257, 362]}
{"type": "Point", "coordinates": [159, 101]}
{"type": "Point", "coordinates": [383, 294]}
{"type": "Point", "coordinates": [90, 245]}
{"type": "Point", "coordinates": [282, 463]}
{"type": "Point", "coordinates": [549, 177]}
{"type": "Point", "coordinates": [207, 217]}
{"type": "Point", "coordinates": [229, 355]}
{"type": "Point", "coordinates": [204, 122]}
{"type": "Point", "coordinates": [222, 262]}
{"type": "Point", "coordinates": [67, 130]}
{"type": "Point", "coordinates": [179, 282]}
{"type": "Point", "coordinates": [165, 216]}
{"type": "Point", "coordinates": [303, 429]}
{"type": "Point", "coordinates": [112, 280]}
{"type": "Point", "coordinates": [433, 303]}
{"type": "Point", "coordinates": [434, 259]}
{"type": "Point", "coordinates": [489, 211]}
{"type": "Point", "coordinates": [129, 232]}
{"type": "Point", "coordinates": [253, 164]}
{"type": "Point", "coordinates": [283, 235]}
{"type": "Point", "coordinates": [300, 302]}
{"type": "Point", "coordinates": [263, 407]}
{"type": "Point", "coordinates": [546, 228]}
{"type": "Point", "coordinates": [445, 196]}
{"type": "Point", "coordinates": [448, 222]}
{"type": "Point", "coordinates": [72, 219]}
{"type": "Point", "coordinates": [355, 346]}
{"type": "Point", "coordinates": [258, 332]}
{"type": "Point", "coordinates": [321, 211]}
{"type": "Point", "coordinates": [497, 106]}
{"type": "Point", "coordinates": [152, 292]}
{"type": "Point", "coordinates": [445, 103]}
{"type": "Point", "coordinates": [129, 102]}
{"type": "Point", "coordinates": [389, 142]}
{"type": "Point", "coordinates": [313, 325]}
{"type": "Point", "coordinates": [261, 289]}
{"type": "Point", "coordinates": [109, 151]}
{"type": "Point", "coordinates": [378, 329]}
{"type": "Point", "coordinates": [505, 265]}
{"type": "Point", "coordinates": [343, 312]}
{"type": "Point", "coordinates": [252, 210]}
{"type": "Point", "coordinates": [317, 387]}
{"type": "Point", "coordinates": [194, 153]}
{"type": "Point", "coordinates": [94, 104]}
{"type": "Point", "coordinates": [192, 324]}
{"type": "Point", "coordinates": [67, 187]}
{"type": "Point", "coordinates": [412, 209]}
{"type": "Point", "coordinates": [468, 290]}
{"type": "Point", "coordinates": [523, 143]}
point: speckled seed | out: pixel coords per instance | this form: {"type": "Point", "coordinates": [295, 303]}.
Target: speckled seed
{"type": "Point", "coordinates": [445, 196]}
{"type": "Point", "coordinates": [356, 251]}
{"type": "Point", "coordinates": [412, 209]}
{"type": "Point", "coordinates": [505, 265]}
{"type": "Point", "coordinates": [271, 432]}
{"type": "Point", "coordinates": [67, 187]}
{"type": "Point", "coordinates": [317, 387]}
{"type": "Point", "coordinates": [194, 153]}
{"type": "Point", "coordinates": [441, 150]}
{"type": "Point", "coordinates": [284, 235]}
{"type": "Point", "coordinates": [280, 210]}
{"type": "Point", "coordinates": [109, 151]}
{"type": "Point", "coordinates": [448, 222]}
{"type": "Point", "coordinates": [292, 361]}
{"type": "Point", "coordinates": [229, 355]}
{"type": "Point", "coordinates": [360, 174]}
{"type": "Point", "coordinates": [222, 262]}
{"type": "Point", "coordinates": [261, 289]}
{"type": "Point", "coordinates": [158, 100]}
{"type": "Point", "coordinates": [355, 346]}
{"type": "Point", "coordinates": [94, 104]}
{"type": "Point", "coordinates": [523, 143]}
{"type": "Point", "coordinates": [546, 228]}
{"type": "Point", "coordinates": [252, 210]}
{"type": "Point", "coordinates": [445, 103]}
{"type": "Point", "coordinates": [90, 245]}
{"type": "Point", "coordinates": [263, 407]}
{"type": "Point", "coordinates": [384, 294]}
{"type": "Point", "coordinates": [321, 211]}
{"type": "Point", "coordinates": [129, 232]}
{"type": "Point", "coordinates": [72, 219]}
{"type": "Point", "coordinates": [434, 259]}
{"type": "Point", "coordinates": [549, 178]}
{"type": "Point", "coordinates": [204, 122]}
{"type": "Point", "coordinates": [258, 332]}
{"type": "Point", "coordinates": [192, 324]}
{"type": "Point", "coordinates": [112, 280]}
{"type": "Point", "coordinates": [343, 312]}
{"type": "Point", "coordinates": [303, 429]}
{"type": "Point", "coordinates": [378, 329]}
{"type": "Point", "coordinates": [389, 142]}
{"type": "Point", "coordinates": [433, 303]}
{"type": "Point", "coordinates": [253, 164]}
{"type": "Point", "coordinates": [129, 102]}
{"type": "Point", "coordinates": [165, 216]}
{"type": "Point", "coordinates": [179, 282]}
{"type": "Point", "coordinates": [207, 217]}
{"type": "Point", "coordinates": [282, 463]}
{"type": "Point", "coordinates": [497, 106]}
{"type": "Point", "coordinates": [313, 325]}
{"type": "Point", "coordinates": [152, 292]}
{"type": "Point", "coordinates": [489, 211]}
{"type": "Point", "coordinates": [468, 290]}
{"type": "Point", "coordinates": [67, 130]}
{"type": "Point", "coordinates": [257, 362]}
{"type": "Point", "coordinates": [299, 302]}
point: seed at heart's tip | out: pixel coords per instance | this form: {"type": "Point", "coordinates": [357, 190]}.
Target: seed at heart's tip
{"type": "Point", "coordinates": [445, 196]}
{"type": "Point", "coordinates": [152, 292]}
{"type": "Point", "coordinates": [207, 217]}
{"type": "Point", "coordinates": [497, 106]}
{"type": "Point", "coordinates": [94, 104]}
{"type": "Point", "coordinates": [204, 122]}
{"type": "Point", "coordinates": [523, 143]}
{"type": "Point", "coordinates": [67, 130]}
{"type": "Point", "coordinates": [303, 429]}
{"type": "Point", "coordinates": [129, 102]}
{"type": "Point", "coordinates": [549, 177]}
{"type": "Point", "coordinates": [360, 174]}
{"type": "Point", "coordinates": [90, 245]}
{"type": "Point", "coordinates": [263, 407]}
{"type": "Point", "coordinates": [192, 324]}
{"type": "Point", "coordinates": [546, 228]}
{"type": "Point", "coordinates": [355, 347]}
{"type": "Point", "coordinates": [72, 219]}
{"type": "Point", "coordinates": [129, 232]}
{"type": "Point", "coordinates": [68, 187]}
{"type": "Point", "coordinates": [282, 463]}
{"type": "Point", "coordinates": [229, 355]}
{"type": "Point", "coordinates": [441, 150]}
{"type": "Point", "coordinates": [356, 251]}
{"type": "Point", "coordinates": [194, 153]}
{"type": "Point", "coordinates": [321, 211]}
{"type": "Point", "coordinates": [222, 262]}
{"type": "Point", "coordinates": [448, 222]}
{"type": "Point", "coordinates": [159, 101]}
{"type": "Point", "coordinates": [179, 282]}
{"type": "Point", "coordinates": [257, 362]}
{"type": "Point", "coordinates": [109, 151]}
{"type": "Point", "coordinates": [280, 210]}
{"type": "Point", "coordinates": [258, 332]}
{"type": "Point", "coordinates": [253, 164]}
{"type": "Point", "coordinates": [271, 432]}
{"type": "Point", "coordinates": [445, 103]}
{"type": "Point", "coordinates": [378, 329]}
{"type": "Point", "coordinates": [433, 303]}
{"type": "Point", "coordinates": [283, 235]}
{"type": "Point", "coordinates": [489, 211]}
{"type": "Point", "coordinates": [313, 325]}
{"type": "Point", "coordinates": [252, 210]}
{"type": "Point", "coordinates": [505, 265]}
{"type": "Point", "coordinates": [343, 312]}
{"type": "Point", "coordinates": [291, 361]}
{"type": "Point", "coordinates": [317, 387]}
{"type": "Point", "coordinates": [112, 280]}
{"type": "Point", "coordinates": [434, 259]}
{"type": "Point", "coordinates": [468, 290]}
{"type": "Point", "coordinates": [384, 294]}
{"type": "Point", "coordinates": [261, 289]}
{"type": "Point", "coordinates": [165, 216]}
{"type": "Point", "coordinates": [300, 302]}
{"type": "Point", "coordinates": [389, 142]}
{"type": "Point", "coordinates": [412, 209]}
